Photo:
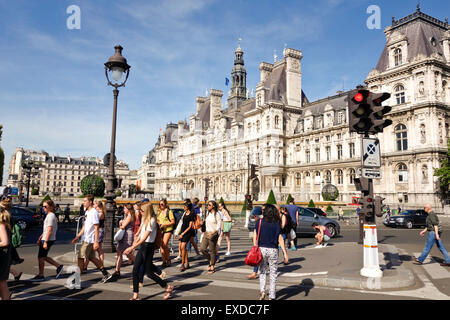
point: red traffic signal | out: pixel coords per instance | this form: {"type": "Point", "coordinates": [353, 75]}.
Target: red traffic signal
{"type": "Point", "coordinates": [206, 198]}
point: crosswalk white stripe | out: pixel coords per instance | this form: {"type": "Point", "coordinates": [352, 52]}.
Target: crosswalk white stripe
{"type": "Point", "coordinates": [433, 268]}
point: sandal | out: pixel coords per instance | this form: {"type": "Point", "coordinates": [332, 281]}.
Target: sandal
{"type": "Point", "coordinates": [18, 277]}
{"type": "Point", "coordinates": [169, 290]}
{"type": "Point", "coordinates": [182, 268]}
{"type": "Point", "coordinates": [212, 270]}
{"type": "Point", "coordinates": [133, 298]}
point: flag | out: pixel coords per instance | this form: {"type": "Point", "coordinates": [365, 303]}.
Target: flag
{"type": "Point", "coordinates": [227, 81]}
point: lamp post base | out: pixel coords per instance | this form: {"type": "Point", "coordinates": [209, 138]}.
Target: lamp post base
{"type": "Point", "coordinates": [108, 242]}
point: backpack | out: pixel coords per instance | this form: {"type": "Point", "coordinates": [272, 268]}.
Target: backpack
{"type": "Point", "coordinates": [174, 217]}
{"type": "Point", "coordinates": [16, 237]}
{"type": "Point", "coordinates": [289, 224]}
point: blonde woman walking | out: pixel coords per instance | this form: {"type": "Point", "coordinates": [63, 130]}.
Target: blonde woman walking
{"type": "Point", "coordinates": [5, 251]}
{"type": "Point", "coordinates": [166, 221]}
{"type": "Point", "coordinates": [126, 224]}
{"type": "Point", "coordinates": [146, 244]}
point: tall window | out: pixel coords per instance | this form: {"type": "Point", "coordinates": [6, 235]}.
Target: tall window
{"type": "Point", "coordinates": [340, 177]}
{"type": "Point", "coordinates": [352, 176]}
{"type": "Point", "coordinates": [400, 94]}
{"type": "Point", "coordinates": [298, 178]}
{"type": "Point", "coordinates": [308, 157]}
{"type": "Point", "coordinates": [340, 117]}
{"type": "Point", "coordinates": [258, 126]}
{"type": "Point", "coordinates": [277, 122]}
{"type": "Point", "coordinates": [339, 152]}
{"type": "Point", "coordinates": [328, 176]}
{"type": "Point", "coordinates": [317, 155]}
{"type": "Point", "coordinates": [401, 137]}
{"type": "Point", "coordinates": [402, 173]}
{"type": "Point", "coordinates": [328, 153]}
{"type": "Point", "coordinates": [398, 56]}
{"type": "Point", "coordinates": [351, 147]}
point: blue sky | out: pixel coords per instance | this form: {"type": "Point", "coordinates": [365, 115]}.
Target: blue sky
{"type": "Point", "coordinates": [53, 92]}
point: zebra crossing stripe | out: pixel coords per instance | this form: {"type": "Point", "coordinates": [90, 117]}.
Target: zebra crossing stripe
{"type": "Point", "coordinates": [433, 268]}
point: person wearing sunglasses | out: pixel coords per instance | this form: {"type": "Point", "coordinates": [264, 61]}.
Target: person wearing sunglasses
{"type": "Point", "coordinates": [166, 221]}
{"type": "Point", "coordinates": [46, 241]}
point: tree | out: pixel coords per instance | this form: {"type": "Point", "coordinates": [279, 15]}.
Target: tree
{"type": "Point", "coordinates": [289, 198]}
{"type": "Point", "coordinates": [271, 198]}
{"type": "Point", "coordinates": [34, 192]}
{"type": "Point", "coordinates": [47, 197]}
{"type": "Point", "coordinates": [221, 200]}
{"type": "Point", "coordinates": [132, 189]}
{"type": "Point", "coordinates": [443, 174]}
{"type": "Point", "coordinates": [329, 208]}
{"type": "Point", "coordinates": [94, 185]}
{"type": "Point", "coordinates": [311, 204]}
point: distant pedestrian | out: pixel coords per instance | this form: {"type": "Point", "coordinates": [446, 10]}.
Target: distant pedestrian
{"type": "Point", "coordinates": [225, 229]}
{"type": "Point", "coordinates": [146, 243]}
{"type": "Point", "coordinates": [211, 235]}
{"type": "Point", "coordinates": [127, 224]}
{"type": "Point", "coordinates": [322, 236]}
{"type": "Point", "coordinates": [46, 241]}
{"type": "Point", "coordinates": [98, 205]}
{"type": "Point", "coordinates": [293, 212]}
{"type": "Point", "coordinates": [358, 209]}
{"type": "Point", "coordinates": [57, 212]}
{"type": "Point", "coordinates": [341, 214]}
{"type": "Point", "coordinates": [166, 221]}
{"type": "Point", "coordinates": [269, 238]}
{"type": "Point", "coordinates": [67, 214]}
{"type": "Point", "coordinates": [187, 232]}
{"type": "Point", "coordinates": [90, 231]}
{"type": "Point", "coordinates": [434, 237]}
{"type": "Point", "coordinates": [5, 250]}
{"type": "Point", "coordinates": [399, 209]}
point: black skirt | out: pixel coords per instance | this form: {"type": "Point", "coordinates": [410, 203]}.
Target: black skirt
{"type": "Point", "coordinates": [5, 262]}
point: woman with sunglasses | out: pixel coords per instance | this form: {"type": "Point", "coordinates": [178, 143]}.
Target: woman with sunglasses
{"type": "Point", "coordinates": [187, 232]}
{"type": "Point", "coordinates": [46, 240]}
{"type": "Point", "coordinates": [166, 221]}
{"type": "Point", "coordinates": [213, 224]}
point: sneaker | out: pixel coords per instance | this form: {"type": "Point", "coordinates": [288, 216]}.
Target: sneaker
{"type": "Point", "coordinates": [106, 278]}
{"type": "Point", "coordinates": [293, 248]}
{"type": "Point", "coordinates": [177, 258]}
{"type": "Point", "coordinates": [59, 271]}
{"type": "Point", "coordinates": [319, 246]}
{"type": "Point", "coordinates": [445, 264]}
{"type": "Point", "coordinates": [324, 245]}
{"type": "Point", "coordinates": [228, 253]}
{"type": "Point", "coordinates": [416, 261]}
{"type": "Point", "coordinates": [37, 278]}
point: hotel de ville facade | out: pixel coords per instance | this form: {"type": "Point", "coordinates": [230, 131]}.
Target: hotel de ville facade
{"type": "Point", "coordinates": [300, 146]}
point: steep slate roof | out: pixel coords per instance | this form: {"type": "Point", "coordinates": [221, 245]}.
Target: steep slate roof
{"type": "Point", "coordinates": [419, 29]}
{"type": "Point", "coordinates": [338, 103]}
{"type": "Point", "coordinates": [205, 111]}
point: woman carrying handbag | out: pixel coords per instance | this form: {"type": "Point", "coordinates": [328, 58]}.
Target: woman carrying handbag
{"type": "Point", "coordinates": [269, 236]}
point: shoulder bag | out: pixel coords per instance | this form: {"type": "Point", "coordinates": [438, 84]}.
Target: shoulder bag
{"type": "Point", "coordinates": [119, 235]}
{"type": "Point", "coordinates": [179, 225]}
{"type": "Point", "coordinates": [254, 256]}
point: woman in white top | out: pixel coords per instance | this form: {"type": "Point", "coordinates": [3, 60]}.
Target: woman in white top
{"type": "Point", "coordinates": [47, 239]}
{"type": "Point", "coordinates": [226, 229]}
{"type": "Point", "coordinates": [211, 235]}
{"type": "Point", "coordinates": [145, 240]}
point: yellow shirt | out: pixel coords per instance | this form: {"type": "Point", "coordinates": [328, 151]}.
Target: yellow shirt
{"type": "Point", "coordinates": [162, 219]}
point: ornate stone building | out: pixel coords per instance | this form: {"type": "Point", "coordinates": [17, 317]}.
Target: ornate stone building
{"type": "Point", "coordinates": [299, 146]}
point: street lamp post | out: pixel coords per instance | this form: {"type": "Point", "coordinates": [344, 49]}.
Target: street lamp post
{"type": "Point", "coordinates": [116, 66]}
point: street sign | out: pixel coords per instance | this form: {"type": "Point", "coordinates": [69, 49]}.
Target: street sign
{"type": "Point", "coordinates": [371, 173]}
{"type": "Point", "coordinates": [371, 156]}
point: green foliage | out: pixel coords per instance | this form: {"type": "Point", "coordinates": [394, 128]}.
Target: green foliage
{"type": "Point", "coordinates": [271, 198]}
{"type": "Point", "coordinates": [289, 198]}
{"type": "Point", "coordinates": [132, 189]}
{"type": "Point", "coordinates": [34, 192]}
{"type": "Point", "coordinates": [329, 208]}
{"type": "Point", "coordinates": [118, 192]}
{"type": "Point", "coordinates": [443, 174]}
{"type": "Point", "coordinates": [311, 204]}
{"type": "Point", "coordinates": [47, 197]}
{"type": "Point", "coordinates": [221, 200]}
{"type": "Point", "coordinates": [244, 206]}
{"type": "Point", "coordinates": [94, 185]}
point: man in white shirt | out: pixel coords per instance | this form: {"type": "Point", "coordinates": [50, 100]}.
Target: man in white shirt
{"type": "Point", "coordinates": [90, 238]}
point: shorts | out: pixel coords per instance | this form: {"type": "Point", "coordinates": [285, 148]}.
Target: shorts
{"type": "Point", "coordinates": [43, 252]}
{"type": "Point", "coordinates": [326, 238]}
{"type": "Point", "coordinates": [86, 251]}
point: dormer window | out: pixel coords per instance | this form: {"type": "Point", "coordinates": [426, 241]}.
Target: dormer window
{"type": "Point", "coordinates": [433, 41]}
{"type": "Point", "coordinates": [400, 94]}
{"type": "Point", "coordinates": [398, 56]}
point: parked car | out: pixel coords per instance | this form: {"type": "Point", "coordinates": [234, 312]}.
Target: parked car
{"type": "Point", "coordinates": [306, 218]}
{"type": "Point", "coordinates": [318, 211]}
{"type": "Point", "coordinates": [25, 218]}
{"type": "Point", "coordinates": [408, 219]}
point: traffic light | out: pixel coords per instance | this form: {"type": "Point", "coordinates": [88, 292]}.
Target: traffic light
{"type": "Point", "coordinates": [252, 171]}
{"type": "Point", "coordinates": [379, 206]}
{"type": "Point", "coordinates": [378, 111]}
{"type": "Point", "coordinates": [359, 111]}
{"type": "Point", "coordinates": [367, 205]}
{"type": "Point", "coordinates": [248, 200]}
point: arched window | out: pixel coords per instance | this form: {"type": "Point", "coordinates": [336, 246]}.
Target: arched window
{"type": "Point", "coordinates": [249, 127]}
{"type": "Point", "coordinates": [401, 137]}
{"type": "Point", "coordinates": [402, 171]}
{"type": "Point", "coordinates": [340, 177]}
{"type": "Point", "coordinates": [352, 176]}
{"type": "Point", "coordinates": [400, 94]}
{"type": "Point", "coordinates": [318, 179]}
{"type": "Point", "coordinates": [268, 122]}
{"type": "Point", "coordinates": [398, 56]}
{"type": "Point", "coordinates": [277, 122]}
{"type": "Point", "coordinates": [298, 178]}
{"type": "Point", "coordinates": [328, 176]}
